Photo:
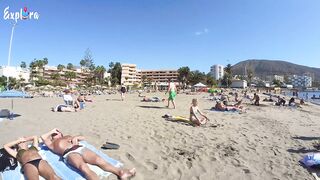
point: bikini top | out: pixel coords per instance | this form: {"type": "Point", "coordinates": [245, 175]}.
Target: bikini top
{"type": "Point", "coordinates": [22, 151]}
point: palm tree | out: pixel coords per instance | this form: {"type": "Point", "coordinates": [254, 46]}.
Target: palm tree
{"type": "Point", "coordinates": [99, 73]}
{"type": "Point", "coordinates": [60, 67]}
{"type": "Point", "coordinates": [184, 73]}
{"type": "Point", "coordinates": [23, 64]}
{"type": "Point", "coordinates": [143, 79]}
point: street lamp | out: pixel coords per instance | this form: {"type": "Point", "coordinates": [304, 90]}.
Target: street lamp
{"type": "Point", "coordinates": [9, 54]}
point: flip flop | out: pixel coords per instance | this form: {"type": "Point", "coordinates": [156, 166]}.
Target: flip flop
{"type": "Point", "coordinates": [109, 145]}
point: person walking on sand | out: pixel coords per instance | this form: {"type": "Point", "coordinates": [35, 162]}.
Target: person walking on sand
{"type": "Point", "coordinates": [78, 156]}
{"type": "Point", "coordinates": [123, 91]}
{"type": "Point", "coordinates": [172, 93]}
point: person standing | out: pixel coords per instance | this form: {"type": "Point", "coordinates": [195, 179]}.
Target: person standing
{"type": "Point", "coordinates": [123, 91]}
{"type": "Point", "coordinates": [172, 90]}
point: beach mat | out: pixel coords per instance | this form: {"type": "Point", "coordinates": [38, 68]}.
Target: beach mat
{"type": "Point", "coordinates": [63, 170]}
{"type": "Point", "coordinates": [233, 111]}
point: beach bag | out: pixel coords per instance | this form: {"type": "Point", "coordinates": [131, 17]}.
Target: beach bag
{"type": "Point", "coordinates": [311, 160]}
{"type": "Point", "coordinates": [7, 162]}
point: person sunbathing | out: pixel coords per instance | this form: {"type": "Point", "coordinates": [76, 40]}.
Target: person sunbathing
{"type": "Point", "coordinates": [221, 107]}
{"type": "Point", "coordinates": [79, 156]}
{"type": "Point", "coordinates": [63, 108]}
{"type": "Point", "coordinates": [196, 116]}
{"type": "Point", "coordinates": [32, 165]}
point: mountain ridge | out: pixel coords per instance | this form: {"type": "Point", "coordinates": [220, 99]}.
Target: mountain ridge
{"type": "Point", "coordinates": [264, 67]}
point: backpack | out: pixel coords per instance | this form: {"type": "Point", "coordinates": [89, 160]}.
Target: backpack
{"type": "Point", "coordinates": [7, 162]}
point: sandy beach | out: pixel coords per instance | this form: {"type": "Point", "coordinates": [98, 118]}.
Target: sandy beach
{"type": "Point", "coordinates": [266, 142]}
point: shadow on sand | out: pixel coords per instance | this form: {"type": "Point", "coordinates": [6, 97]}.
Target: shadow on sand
{"type": "Point", "coordinates": [153, 107]}
{"type": "Point", "coordinates": [302, 150]}
{"type": "Point", "coordinates": [113, 99]}
{"type": "Point", "coordinates": [306, 138]}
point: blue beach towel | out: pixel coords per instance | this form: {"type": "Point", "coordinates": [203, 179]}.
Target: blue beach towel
{"type": "Point", "coordinates": [63, 170]}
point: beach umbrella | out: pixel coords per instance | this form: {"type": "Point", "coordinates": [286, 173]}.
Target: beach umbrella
{"type": "Point", "coordinates": [13, 94]}
{"type": "Point", "coordinates": [200, 85]}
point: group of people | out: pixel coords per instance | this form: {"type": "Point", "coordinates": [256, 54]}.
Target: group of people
{"type": "Point", "coordinates": [66, 146]}
{"type": "Point", "coordinates": [71, 104]}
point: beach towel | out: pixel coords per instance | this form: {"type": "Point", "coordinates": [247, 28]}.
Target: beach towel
{"type": "Point", "coordinates": [63, 170]}
{"type": "Point", "coordinates": [312, 163]}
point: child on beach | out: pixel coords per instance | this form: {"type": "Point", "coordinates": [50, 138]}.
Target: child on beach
{"type": "Point", "coordinates": [196, 116]}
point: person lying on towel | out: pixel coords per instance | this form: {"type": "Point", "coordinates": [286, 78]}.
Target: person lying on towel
{"type": "Point", "coordinates": [32, 165]}
{"type": "Point", "coordinates": [196, 116]}
{"type": "Point", "coordinates": [78, 156]}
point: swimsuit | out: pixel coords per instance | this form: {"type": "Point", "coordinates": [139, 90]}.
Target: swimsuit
{"type": "Point", "coordinates": [34, 162]}
{"type": "Point", "coordinates": [74, 149]}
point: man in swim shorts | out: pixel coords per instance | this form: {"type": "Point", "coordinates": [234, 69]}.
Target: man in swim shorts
{"type": "Point", "coordinates": [79, 156]}
{"type": "Point", "coordinates": [172, 93]}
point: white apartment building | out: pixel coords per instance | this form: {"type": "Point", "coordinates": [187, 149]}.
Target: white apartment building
{"type": "Point", "coordinates": [15, 72]}
{"type": "Point", "coordinates": [217, 71]}
{"type": "Point", "coordinates": [275, 77]}
{"type": "Point", "coordinates": [129, 75]}
{"type": "Point", "coordinates": [300, 81]}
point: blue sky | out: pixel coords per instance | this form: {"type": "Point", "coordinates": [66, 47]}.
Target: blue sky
{"type": "Point", "coordinates": [165, 34]}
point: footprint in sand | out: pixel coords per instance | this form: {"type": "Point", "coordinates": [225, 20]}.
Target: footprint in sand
{"type": "Point", "coordinates": [152, 165]}
{"type": "Point", "coordinates": [130, 157]}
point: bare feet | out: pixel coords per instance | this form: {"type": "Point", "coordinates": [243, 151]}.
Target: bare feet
{"type": "Point", "coordinates": [125, 174]}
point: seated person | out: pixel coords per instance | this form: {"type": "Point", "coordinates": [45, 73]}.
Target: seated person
{"type": "Point", "coordinates": [79, 157]}
{"type": "Point", "coordinates": [256, 99]}
{"type": "Point", "coordinates": [302, 102]}
{"type": "Point", "coordinates": [68, 99]}
{"type": "Point", "coordinates": [225, 99]}
{"type": "Point", "coordinates": [221, 107]}
{"type": "Point", "coordinates": [291, 102]}
{"type": "Point", "coordinates": [236, 96]}
{"type": "Point", "coordinates": [32, 165]}
{"type": "Point", "coordinates": [281, 101]}
{"type": "Point", "coordinates": [196, 116]}
{"type": "Point", "coordinates": [63, 108]}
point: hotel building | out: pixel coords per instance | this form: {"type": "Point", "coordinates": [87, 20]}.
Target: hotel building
{"type": "Point", "coordinates": [217, 71]}
{"type": "Point", "coordinates": [300, 81]}
{"type": "Point", "coordinates": [15, 72]}
{"type": "Point", "coordinates": [132, 76]}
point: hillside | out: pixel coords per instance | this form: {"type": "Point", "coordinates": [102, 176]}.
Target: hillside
{"type": "Point", "coordinates": [263, 68]}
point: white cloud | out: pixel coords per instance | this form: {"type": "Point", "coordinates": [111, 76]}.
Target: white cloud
{"type": "Point", "coordinates": [204, 31]}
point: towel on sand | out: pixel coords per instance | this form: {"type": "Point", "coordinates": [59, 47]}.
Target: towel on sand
{"type": "Point", "coordinates": [63, 170]}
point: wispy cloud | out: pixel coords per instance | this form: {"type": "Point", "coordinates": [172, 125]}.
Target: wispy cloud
{"type": "Point", "coordinates": [204, 31]}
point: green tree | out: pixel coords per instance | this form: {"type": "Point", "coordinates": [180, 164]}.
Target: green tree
{"type": "Point", "coordinates": [87, 60]}
{"type": "Point", "coordinates": [70, 66]}
{"type": "Point", "coordinates": [196, 77]}
{"type": "Point", "coordinates": [227, 77]}
{"type": "Point", "coordinates": [69, 75]}
{"type": "Point", "coordinates": [143, 79]}
{"type": "Point", "coordinates": [210, 81]}
{"type": "Point", "coordinates": [60, 67]}
{"type": "Point", "coordinates": [99, 73]}
{"type": "Point", "coordinates": [23, 64]}
{"type": "Point", "coordinates": [183, 76]}
{"type": "Point", "coordinates": [276, 82]}
{"type": "Point", "coordinates": [115, 71]}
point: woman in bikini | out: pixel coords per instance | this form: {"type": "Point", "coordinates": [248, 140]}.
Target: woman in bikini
{"type": "Point", "coordinates": [196, 116]}
{"type": "Point", "coordinates": [32, 165]}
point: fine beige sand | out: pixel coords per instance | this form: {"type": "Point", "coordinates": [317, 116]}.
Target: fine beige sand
{"type": "Point", "coordinates": [266, 142]}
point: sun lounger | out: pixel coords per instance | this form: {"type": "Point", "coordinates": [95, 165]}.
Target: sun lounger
{"type": "Point", "coordinates": [63, 170]}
